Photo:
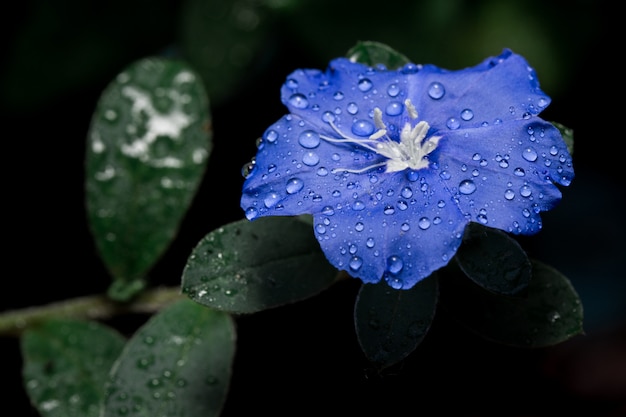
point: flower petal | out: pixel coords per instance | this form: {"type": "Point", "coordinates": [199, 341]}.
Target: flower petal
{"type": "Point", "coordinates": [401, 229]}
{"type": "Point", "coordinates": [503, 175]}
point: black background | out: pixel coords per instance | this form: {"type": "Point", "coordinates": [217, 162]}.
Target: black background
{"type": "Point", "coordinates": [305, 357]}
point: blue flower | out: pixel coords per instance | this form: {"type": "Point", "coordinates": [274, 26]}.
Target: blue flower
{"type": "Point", "coordinates": [393, 164]}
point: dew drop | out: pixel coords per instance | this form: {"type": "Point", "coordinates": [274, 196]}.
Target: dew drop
{"type": "Point", "coordinates": [394, 264]}
{"type": "Point", "coordinates": [291, 83]}
{"type": "Point", "coordinates": [271, 199]}
{"type": "Point", "coordinates": [525, 191]}
{"type": "Point", "coordinates": [359, 227]}
{"type": "Point", "coordinates": [362, 127]}
{"type": "Point", "coordinates": [251, 213]}
{"type": "Point", "coordinates": [509, 194]}
{"type": "Point", "coordinates": [352, 108]}
{"type": "Point", "coordinates": [310, 158]}
{"type": "Point", "coordinates": [328, 211]}
{"type": "Point", "coordinates": [467, 114]}
{"type": "Point", "coordinates": [393, 90]}
{"type": "Point", "coordinates": [436, 90]}
{"type": "Point", "coordinates": [424, 223]}
{"type": "Point", "coordinates": [529, 154]}
{"type": "Point", "coordinates": [389, 210]}
{"type": "Point", "coordinates": [298, 101]}
{"type": "Point", "coordinates": [467, 187]}
{"type": "Point", "coordinates": [519, 172]}
{"type": "Point", "coordinates": [365, 85]}
{"type": "Point", "coordinates": [405, 227]}
{"type": "Point", "coordinates": [407, 192]}
{"type": "Point", "coordinates": [355, 263]}
{"type": "Point", "coordinates": [453, 123]}
{"type": "Point", "coordinates": [294, 185]}
{"type": "Point", "coordinates": [309, 139]}
{"type": "Point", "coordinates": [338, 96]}
{"type": "Point", "coordinates": [358, 205]}
{"type": "Point", "coordinates": [328, 117]}
{"type": "Point", "coordinates": [394, 108]}
{"type": "Point", "coordinates": [271, 136]}
{"type": "Point", "coordinates": [369, 242]}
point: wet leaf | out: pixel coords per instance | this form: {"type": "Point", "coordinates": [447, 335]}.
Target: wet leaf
{"type": "Point", "coordinates": [66, 365]}
{"type": "Point", "coordinates": [494, 260]}
{"type": "Point", "coordinates": [177, 364]}
{"type": "Point", "coordinates": [148, 145]}
{"type": "Point", "coordinates": [550, 313]}
{"type": "Point", "coordinates": [390, 323]}
{"type": "Point", "coordinates": [373, 53]}
{"type": "Point", "coordinates": [245, 267]}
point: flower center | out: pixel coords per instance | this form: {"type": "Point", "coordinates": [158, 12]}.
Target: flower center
{"type": "Point", "coordinates": [411, 151]}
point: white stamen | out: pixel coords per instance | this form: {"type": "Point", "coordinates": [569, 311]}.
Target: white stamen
{"type": "Point", "coordinates": [410, 152]}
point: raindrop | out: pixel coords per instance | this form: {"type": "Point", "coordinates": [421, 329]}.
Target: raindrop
{"type": "Point", "coordinates": [310, 158]}
{"type": "Point", "coordinates": [362, 128]}
{"type": "Point", "coordinates": [328, 211]}
{"type": "Point", "coordinates": [394, 108]}
{"type": "Point", "coordinates": [298, 101]}
{"type": "Point", "coordinates": [365, 85]}
{"type": "Point", "coordinates": [271, 199]}
{"type": "Point", "coordinates": [359, 227]}
{"type": "Point", "coordinates": [355, 263]}
{"type": "Point", "coordinates": [424, 223]}
{"type": "Point", "coordinates": [320, 228]}
{"type": "Point", "coordinates": [328, 117]}
{"type": "Point", "coordinates": [525, 191]}
{"type": "Point", "coordinates": [436, 90]}
{"type": "Point", "coordinates": [358, 205]}
{"type": "Point", "coordinates": [453, 123]}
{"type": "Point", "coordinates": [482, 218]}
{"type": "Point", "coordinates": [509, 194]}
{"type": "Point", "coordinates": [402, 205]}
{"type": "Point", "coordinates": [389, 210]}
{"type": "Point", "coordinates": [393, 90]}
{"type": "Point", "coordinates": [519, 172]}
{"type": "Point", "coordinates": [405, 227]}
{"type": "Point", "coordinates": [271, 136]}
{"type": "Point", "coordinates": [407, 192]}
{"type": "Point", "coordinates": [322, 171]}
{"type": "Point", "coordinates": [309, 139]}
{"type": "Point", "coordinates": [445, 175]}
{"type": "Point", "coordinates": [467, 114]}
{"type": "Point", "coordinates": [369, 242]}
{"type": "Point", "coordinates": [529, 154]}
{"type": "Point", "coordinates": [251, 213]}
{"type": "Point", "coordinates": [394, 264]}
{"type": "Point", "coordinates": [294, 185]}
{"type": "Point", "coordinates": [338, 96]}
{"type": "Point", "coordinates": [467, 187]}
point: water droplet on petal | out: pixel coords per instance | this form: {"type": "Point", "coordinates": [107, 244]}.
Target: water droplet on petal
{"type": "Point", "coordinates": [393, 90]}
{"type": "Point", "coordinates": [467, 114]}
{"type": "Point", "coordinates": [436, 90]}
{"type": "Point", "coordinates": [424, 223]}
{"type": "Point", "coordinates": [519, 172]}
{"type": "Point", "coordinates": [310, 158]}
{"type": "Point", "coordinates": [365, 85]}
{"type": "Point", "coordinates": [358, 205]}
{"type": "Point", "coordinates": [363, 127]}
{"type": "Point", "coordinates": [271, 136]}
{"type": "Point", "coordinates": [369, 242]}
{"type": "Point", "coordinates": [453, 123]}
{"type": "Point", "coordinates": [394, 264]}
{"type": "Point", "coordinates": [529, 154]}
{"type": "Point", "coordinates": [291, 83]}
{"type": "Point", "coordinates": [309, 139]}
{"type": "Point", "coordinates": [338, 96]}
{"type": "Point", "coordinates": [407, 192]}
{"type": "Point", "coordinates": [509, 194]}
{"type": "Point", "coordinates": [352, 108]}
{"type": "Point", "coordinates": [271, 199]}
{"type": "Point", "coordinates": [467, 187]}
{"type": "Point", "coordinates": [389, 210]}
{"type": "Point", "coordinates": [251, 213]}
{"type": "Point", "coordinates": [525, 191]}
{"type": "Point", "coordinates": [294, 185]}
{"type": "Point", "coordinates": [298, 101]}
{"type": "Point", "coordinates": [394, 108]}
{"type": "Point", "coordinates": [355, 263]}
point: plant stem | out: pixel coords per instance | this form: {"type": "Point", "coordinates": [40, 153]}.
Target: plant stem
{"type": "Point", "coordinates": [94, 307]}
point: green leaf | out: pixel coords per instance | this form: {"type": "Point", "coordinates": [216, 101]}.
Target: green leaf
{"type": "Point", "coordinates": [373, 53]}
{"type": "Point", "coordinates": [550, 313]}
{"type": "Point", "coordinates": [245, 267]}
{"type": "Point", "coordinates": [568, 136]}
{"type": "Point", "coordinates": [494, 260]}
{"type": "Point", "coordinates": [66, 365]}
{"type": "Point", "coordinates": [223, 40]}
{"type": "Point", "coordinates": [148, 144]}
{"type": "Point", "coordinates": [390, 323]}
{"type": "Point", "coordinates": [177, 364]}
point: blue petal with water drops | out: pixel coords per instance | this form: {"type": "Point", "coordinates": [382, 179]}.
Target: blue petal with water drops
{"type": "Point", "coordinates": [393, 164]}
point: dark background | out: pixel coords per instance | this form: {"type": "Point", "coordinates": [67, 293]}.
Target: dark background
{"type": "Point", "coordinates": [60, 55]}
